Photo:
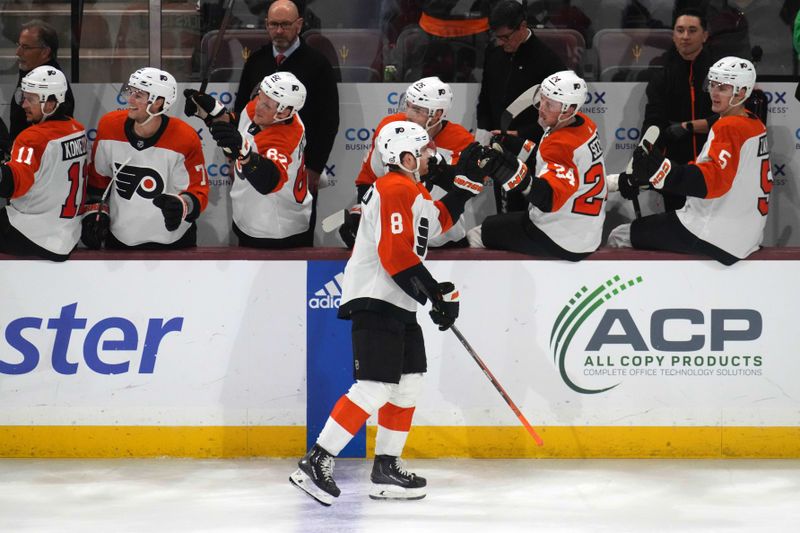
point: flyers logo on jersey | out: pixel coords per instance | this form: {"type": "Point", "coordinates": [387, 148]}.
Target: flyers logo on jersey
{"type": "Point", "coordinates": [145, 182]}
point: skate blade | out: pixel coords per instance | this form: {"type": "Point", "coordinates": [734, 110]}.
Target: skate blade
{"type": "Point", "coordinates": [301, 480]}
{"type": "Point", "coordinates": [393, 492]}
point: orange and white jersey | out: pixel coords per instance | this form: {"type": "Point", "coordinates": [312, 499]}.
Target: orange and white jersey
{"type": "Point", "coordinates": [571, 160]}
{"type": "Point", "coordinates": [736, 168]}
{"type": "Point", "coordinates": [397, 219]}
{"type": "Point", "coordinates": [48, 162]}
{"type": "Point", "coordinates": [170, 162]}
{"type": "Point", "coordinates": [286, 210]}
{"type": "Point", "coordinates": [450, 141]}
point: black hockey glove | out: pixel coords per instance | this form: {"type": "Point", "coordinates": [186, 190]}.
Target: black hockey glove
{"type": "Point", "coordinates": [469, 171]}
{"type": "Point", "coordinates": [349, 229]}
{"type": "Point", "coordinates": [202, 106]}
{"type": "Point", "coordinates": [174, 207]}
{"type": "Point", "coordinates": [650, 168]}
{"type": "Point", "coordinates": [439, 173]}
{"type": "Point", "coordinates": [505, 169]}
{"type": "Point", "coordinates": [94, 225]}
{"type": "Point", "coordinates": [444, 305]}
{"type": "Point", "coordinates": [519, 146]}
{"type": "Point", "coordinates": [627, 188]}
{"type": "Point", "coordinates": [677, 132]}
{"type": "Point", "coordinates": [228, 137]}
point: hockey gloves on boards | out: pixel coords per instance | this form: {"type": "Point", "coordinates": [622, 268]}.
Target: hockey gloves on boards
{"type": "Point", "coordinates": [444, 305]}
{"type": "Point", "coordinates": [439, 173]}
{"type": "Point", "coordinates": [174, 207]}
{"type": "Point", "coordinates": [469, 171]}
{"type": "Point", "coordinates": [94, 225]}
{"type": "Point", "coordinates": [202, 106]}
{"type": "Point", "coordinates": [228, 137]}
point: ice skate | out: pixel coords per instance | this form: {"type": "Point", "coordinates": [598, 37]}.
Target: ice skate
{"type": "Point", "coordinates": [390, 481]}
{"type": "Point", "coordinates": [315, 476]}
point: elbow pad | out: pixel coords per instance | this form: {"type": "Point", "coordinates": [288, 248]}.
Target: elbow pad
{"type": "Point", "coordinates": [261, 172]}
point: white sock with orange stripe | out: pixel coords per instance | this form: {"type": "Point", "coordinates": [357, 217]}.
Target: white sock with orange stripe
{"type": "Point", "coordinates": [394, 418]}
{"type": "Point", "coordinates": [351, 412]}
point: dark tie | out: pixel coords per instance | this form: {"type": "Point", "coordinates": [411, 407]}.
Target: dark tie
{"type": "Point", "coordinates": [279, 59]}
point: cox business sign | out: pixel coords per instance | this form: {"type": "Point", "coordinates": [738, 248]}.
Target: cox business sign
{"type": "Point", "coordinates": [34, 340]}
{"type": "Point", "coordinates": [604, 335]}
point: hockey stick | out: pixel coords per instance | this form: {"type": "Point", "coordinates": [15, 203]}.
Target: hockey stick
{"type": "Point", "coordinates": [334, 221]}
{"type": "Point", "coordinates": [520, 104]}
{"type": "Point", "coordinates": [650, 136]}
{"type": "Point", "coordinates": [487, 373]}
{"type": "Point", "coordinates": [226, 20]}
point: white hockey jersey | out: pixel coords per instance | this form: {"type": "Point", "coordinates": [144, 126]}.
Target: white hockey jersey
{"type": "Point", "coordinates": [450, 141]}
{"type": "Point", "coordinates": [397, 220]}
{"type": "Point", "coordinates": [736, 167]}
{"type": "Point", "coordinates": [571, 160]}
{"type": "Point", "coordinates": [48, 161]}
{"type": "Point", "coordinates": [286, 210]}
{"type": "Point", "coordinates": [170, 162]}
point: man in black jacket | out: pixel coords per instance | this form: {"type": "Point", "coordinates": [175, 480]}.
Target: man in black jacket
{"type": "Point", "coordinates": [288, 52]}
{"type": "Point", "coordinates": [37, 45]}
{"type": "Point", "coordinates": [517, 63]}
{"type": "Point", "coordinates": [675, 94]}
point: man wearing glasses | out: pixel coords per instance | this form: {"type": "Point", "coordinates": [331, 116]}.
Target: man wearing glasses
{"type": "Point", "coordinates": [37, 45]}
{"type": "Point", "coordinates": [288, 52]}
{"type": "Point", "coordinates": [518, 61]}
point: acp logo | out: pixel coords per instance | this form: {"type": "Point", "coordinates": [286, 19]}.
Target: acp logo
{"type": "Point", "coordinates": [329, 296]}
{"type": "Point", "coordinates": [618, 329]}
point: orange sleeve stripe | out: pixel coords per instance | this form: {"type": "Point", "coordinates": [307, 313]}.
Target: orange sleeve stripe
{"type": "Point", "coordinates": [396, 246]}
{"type": "Point", "coordinates": [349, 415]}
{"type": "Point", "coordinates": [395, 418]}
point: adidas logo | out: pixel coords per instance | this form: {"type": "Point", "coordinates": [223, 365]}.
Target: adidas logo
{"type": "Point", "coordinates": [329, 296]}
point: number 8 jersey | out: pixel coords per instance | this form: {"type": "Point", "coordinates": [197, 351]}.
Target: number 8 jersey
{"type": "Point", "coordinates": [48, 162]}
{"type": "Point", "coordinates": [398, 218]}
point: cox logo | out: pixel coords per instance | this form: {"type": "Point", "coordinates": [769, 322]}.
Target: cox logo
{"type": "Point", "coordinates": [797, 134]}
{"type": "Point", "coordinates": [393, 97]}
{"type": "Point", "coordinates": [25, 335]}
{"type": "Point", "coordinates": [358, 134]}
{"type": "Point", "coordinates": [91, 134]}
{"type": "Point", "coordinates": [775, 97]}
{"type": "Point", "coordinates": [594, 97]}
{"type": "Point", "coordinates": [214, 170]}
{"type": "Point", "coordinates": [627, 134]}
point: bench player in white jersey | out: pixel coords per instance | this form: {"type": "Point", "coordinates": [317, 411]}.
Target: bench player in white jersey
{"type": "Point", "coordinates": [380, 296]}
{"type": "Point", "coordinates": [426, 102]}
{"type": "Point", "coordinates": [270, 195]}
{"type": "Point", "coordinates": [44, 179]}
{"type": "Point", "coordinates": [565, 190]}
{"type": "Point", "coordinates": [154, 167]}
{"type": "Point", "coordinates": [727, 188]}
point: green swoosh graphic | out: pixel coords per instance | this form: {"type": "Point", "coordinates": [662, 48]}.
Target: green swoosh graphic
{"type": "Point", "coordinates": [589, 304]}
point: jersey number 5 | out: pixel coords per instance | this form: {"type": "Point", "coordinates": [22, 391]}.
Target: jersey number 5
{"type": "Point", "coordinates": [591, 203]}
{"type": "Point", "coordinates": [766, 186]}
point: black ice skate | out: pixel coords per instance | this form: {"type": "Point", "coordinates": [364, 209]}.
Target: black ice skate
{"type": "Point", "coordinates": [390, 481]}
{"type": "Point", "coordinates": [315, 476]}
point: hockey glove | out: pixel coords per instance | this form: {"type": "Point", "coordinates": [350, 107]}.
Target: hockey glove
{"type": "Point", "coordinates": [444, 305]}
{"type": "Point", "coordinates": [627, 188]}
{"type": "Point", "coordinates": [469, 169]}
{"type": "Point", "coordinates": [349, 229]}
{"type": "Point", "coordinates": [650, 168]}
{"type": "Point", "coordinates": [174, 207]}
{"type": "Point", "coordinates": [94, 226]}
{"type": "Point", "coordinates": [677, 132]}
{"type": "Point", "coordinates": [439, 173]}
{"type": "Point", "coordinates": [505, 169]}
{"type": "Point", "coordinates": [519, 146]}
{"type": "Point", "coordinates": [202, 106]}
{"type": "Point", "coordinates": [230, 140]}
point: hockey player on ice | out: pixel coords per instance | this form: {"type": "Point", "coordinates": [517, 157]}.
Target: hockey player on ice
{"type": "Point", "coordinates": [380, 296]}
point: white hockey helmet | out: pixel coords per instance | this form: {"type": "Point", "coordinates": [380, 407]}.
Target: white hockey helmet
{"type": "Point", "coordinates": [564, 87]}
{"type": "Point", "coordinates": [432, 94]}
{"type": "Point", "coordinates": [286, 89]}
{"type": "Point", "coordinates": [734, 71]}
{"type": "Point", "coordinates": [399, 137]}
{"type": "Point", "coordinates": [45, 81]}
{"type": "Point", "coordinates": [158, 84]}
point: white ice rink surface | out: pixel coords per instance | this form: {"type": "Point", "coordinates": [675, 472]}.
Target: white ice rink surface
{"type": "Point", "coordinates": [464, 496]}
